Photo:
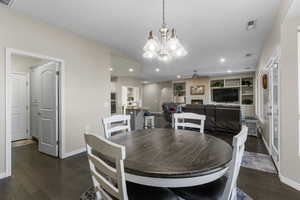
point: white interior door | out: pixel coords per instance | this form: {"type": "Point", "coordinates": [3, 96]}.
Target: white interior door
{"type": "Point", "coordinates": [19, 106]}
{"type": "Point", "coordinates": [48, 110]}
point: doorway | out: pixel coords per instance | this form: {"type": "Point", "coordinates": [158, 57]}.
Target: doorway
{"type": "Point", "coordinates": [271, 109]}
{"type": "Point", "coordinates": [34, 103]}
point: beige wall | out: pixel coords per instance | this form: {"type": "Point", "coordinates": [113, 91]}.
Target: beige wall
{"type": "Point", "coordinates": [284, 35]}
{"type": "Point", "coordinates": [272, 42]}
{"type": "Point", "coordinates": [155, 94]}
{"type": "Point", "coordinates": [273, 38]}
{"type": "Point", "coordinates": [289, 151]}
{"type": "Point", "coordinates": [87, 74]}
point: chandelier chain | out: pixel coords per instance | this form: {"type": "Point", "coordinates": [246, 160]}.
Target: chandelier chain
{"type": "Point", "coordinates": [164, 21]}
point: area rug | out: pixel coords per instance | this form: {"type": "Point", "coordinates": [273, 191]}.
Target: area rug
{"type": "Point", "coordinates": [22, 143]}
{"type": "Point", "coordinates": [258, 161]}
{"type": "Point", "coordinates": [91, 195]}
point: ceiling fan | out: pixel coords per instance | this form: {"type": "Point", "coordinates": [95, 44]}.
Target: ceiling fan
{"type": "Point", "coordinates": [194, 75]}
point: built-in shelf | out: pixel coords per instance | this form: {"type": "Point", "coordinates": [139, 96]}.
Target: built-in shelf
{"type": "Point", "coordinates": [179, 92]}
{"type": "Point", "coordinates": [245, 85]}
{"type": "Point", "coordinates": [217, 83]}
{"type": "Point", "coordinates": [232, 82]}
{"type": "Point", "coordinates": [225, 87]}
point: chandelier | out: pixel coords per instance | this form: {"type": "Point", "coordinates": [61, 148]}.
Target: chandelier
{"type": "Point", "coordinates": [165, 48]}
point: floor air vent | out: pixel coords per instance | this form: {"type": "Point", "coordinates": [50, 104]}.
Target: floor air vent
{"type": "Point", "coordinates": [6, 3]}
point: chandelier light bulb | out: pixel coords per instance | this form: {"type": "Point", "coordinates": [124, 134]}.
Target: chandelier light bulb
{"type": "Point", "coordinates": [173, 47]}
{"type": "Point", "coordinates": [151, 47]}
{"type": "Point", "coordinates": [179, 52]}
{"type": "Point", "coordinates": [149, 54]}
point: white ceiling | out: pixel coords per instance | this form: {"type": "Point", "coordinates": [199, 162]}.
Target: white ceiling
{"type": "Point", "coordinates": [208, 29]}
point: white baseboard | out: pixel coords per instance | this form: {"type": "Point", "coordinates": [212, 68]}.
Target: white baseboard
{"type": "Point", "coordinates": [289, 182]}
{"type": "Point", "coordinates": [266, 145]}
{"type": "Point", "coordinates": [3, 175]}
{"type": "Point", "coordinates": [73, 153]}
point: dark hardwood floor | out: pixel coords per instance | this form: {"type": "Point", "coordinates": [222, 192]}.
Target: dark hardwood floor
{"type": "Point", "coordinates": [40, 177]}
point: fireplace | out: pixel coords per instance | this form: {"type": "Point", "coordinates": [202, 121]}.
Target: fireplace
{"type": "Point", "coordinates": [197, 101]}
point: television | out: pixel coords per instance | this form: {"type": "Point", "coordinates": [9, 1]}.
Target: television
{"type": "Point", "coordinates": [225, 95]}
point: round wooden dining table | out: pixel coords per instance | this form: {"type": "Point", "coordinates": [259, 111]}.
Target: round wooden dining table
{"type": "Point", "coordinates": [173, 158]}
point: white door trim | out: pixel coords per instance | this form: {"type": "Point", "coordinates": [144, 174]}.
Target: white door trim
{"type": "Point", "coordinates": [62, 114]}
{"type": "Point", "coordinates": [289, 182]}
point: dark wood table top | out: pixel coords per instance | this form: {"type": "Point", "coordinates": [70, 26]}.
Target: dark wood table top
{"type": "Point", "coordinates": [170, 153]}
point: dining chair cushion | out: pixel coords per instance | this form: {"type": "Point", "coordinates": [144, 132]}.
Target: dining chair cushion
{"type": "Point", "coordinates": [141, 192]}
{"type": "Point", "coordinates": [209, 191]}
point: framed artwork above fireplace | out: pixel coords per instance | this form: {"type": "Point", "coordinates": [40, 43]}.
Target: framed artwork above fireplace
{"type": "Point", "coordinates": [198, 90]}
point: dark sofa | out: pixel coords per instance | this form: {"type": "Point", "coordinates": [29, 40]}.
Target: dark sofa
{"type": "Point", "coordinates": [221, 118]}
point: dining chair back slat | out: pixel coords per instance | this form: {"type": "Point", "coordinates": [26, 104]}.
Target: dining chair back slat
{"type": "Point", "coordinates": [180, 121]}
{"type": "Point", "coordinates": [239, 140]}
{"type": "Point", "coordinates": [122, 124]}
{"type": "Point", "coordinates": [109, 182]}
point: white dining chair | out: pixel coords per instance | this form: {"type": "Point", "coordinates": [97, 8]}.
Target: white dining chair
{"type": "Point", "coordinates": [180, 121]}
{"type": "Point", "coordinates": [149, 121]}
{"type": "Point", "coordinates": [116, 123]}
{"type": "Point", "coordinates": [224, 188]}
{"type": "Point", "coordinates": [109, 178]}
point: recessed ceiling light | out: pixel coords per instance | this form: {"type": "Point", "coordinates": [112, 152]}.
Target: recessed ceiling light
{"type": "Point", "coordinates": [178, 76]}
{"type": "Point", "coordinates": [251, 24]}
{"type": "Point", "coordinates": [222, 60]}
{"type": "Point", "coordinates": [131, 70]}
{"type": "Point", "coordinates": [229, 71]}
{"type": "Point", "coordinates": [111, 69]}
{"type": "Point", "coordinates": [157, 69]}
